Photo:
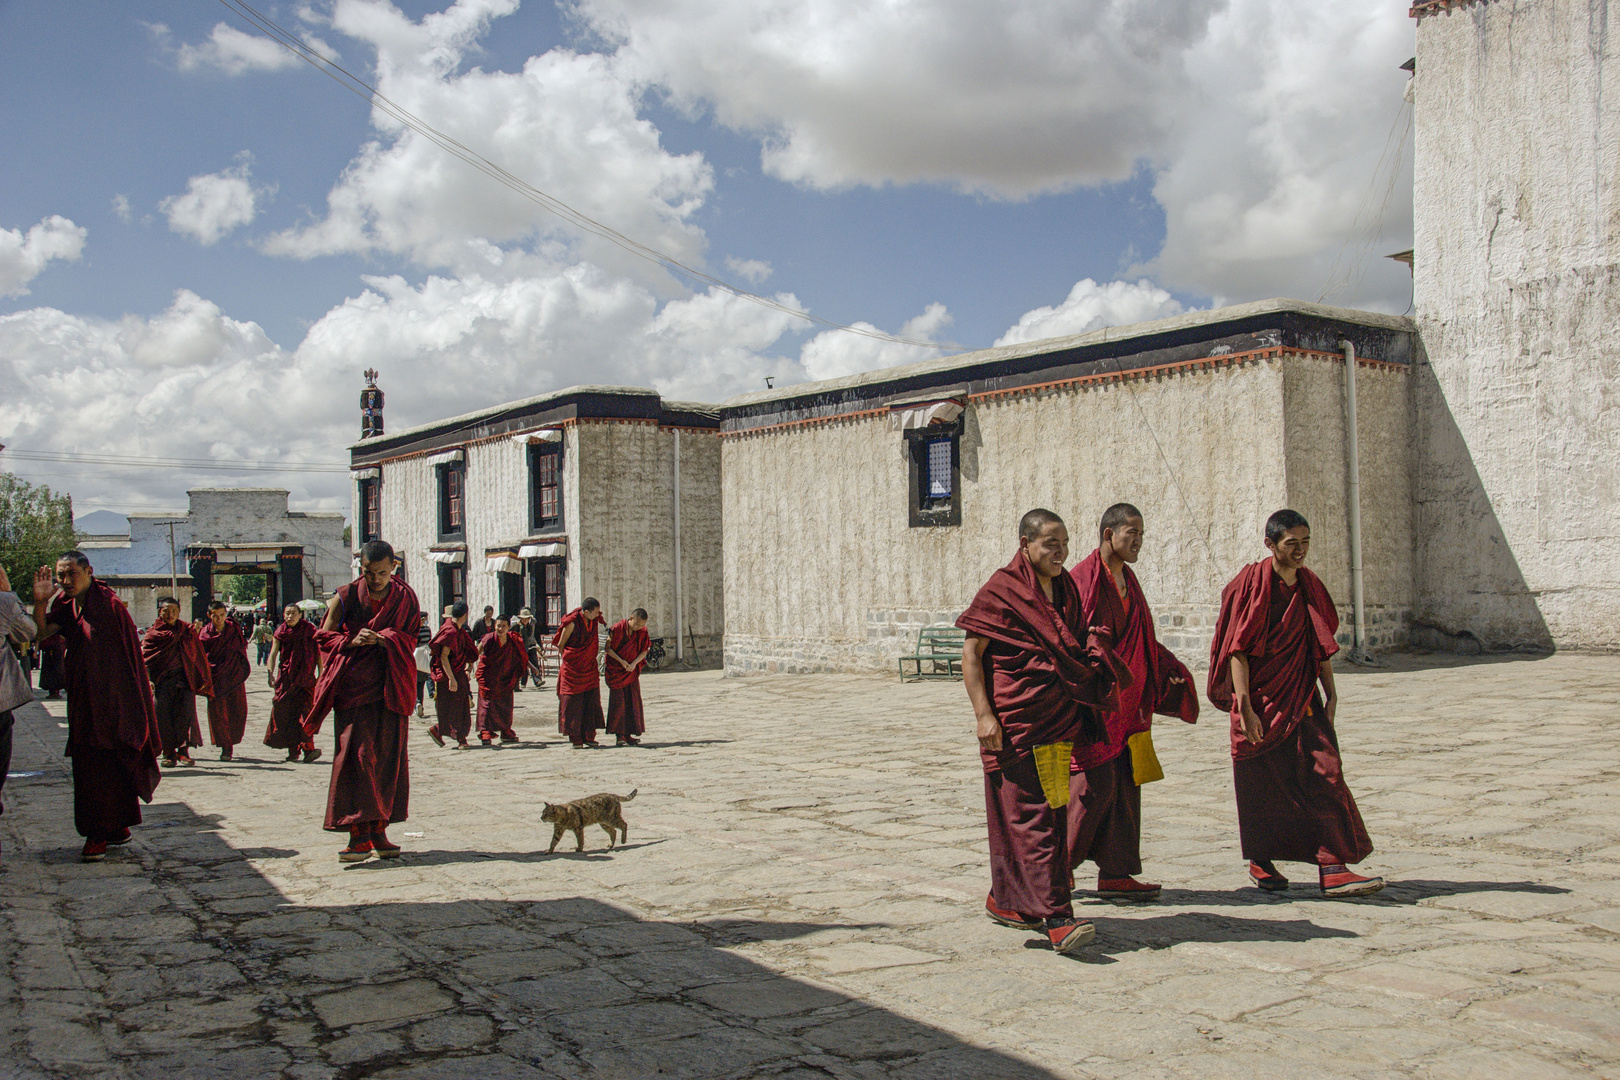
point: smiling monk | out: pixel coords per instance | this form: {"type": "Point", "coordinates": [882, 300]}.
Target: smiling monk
{"type": "Point", "coordinates": [1273, 646]}
{"type": "Point", "coordinates": [226, 649]}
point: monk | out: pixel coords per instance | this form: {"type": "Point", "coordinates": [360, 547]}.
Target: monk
{"type": "Point", "coordinates": [113, 739]}
{"type": "Point", "coordinates": [1273, 648]}
{"type": "Point", "coordinates": [628, 645]}
{"type": "Point", "coordinates": [178, 668]}
{"type": "Point", "coordinates": [295, 665]}
{"type": "Point", "coordinates": [501, 661]}
{"type": "Point", "coordinates": [1105, 797]}
{"type": "Point", "coordinates": [1036, 674]}
{"type": "Point", "coordinates": [368, 683]}
{"type": "Point", "coordinates": [579, 689]}
{"type": "Point", "coordinates": [453, 649]}
{"type": "Point", "coordinates": [228, 668]}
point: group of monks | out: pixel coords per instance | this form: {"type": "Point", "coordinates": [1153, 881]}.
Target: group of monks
{"type": "Point", "coordinates": [1065, 672]}
{"type": "Point", "coordinates": [132, 698]}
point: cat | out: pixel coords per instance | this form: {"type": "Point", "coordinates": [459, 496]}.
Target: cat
{"type": "Point", "coordinates": [600, 810]}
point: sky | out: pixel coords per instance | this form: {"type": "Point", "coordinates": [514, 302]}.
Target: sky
{"type": "Point", "coordinates": [205, 240]}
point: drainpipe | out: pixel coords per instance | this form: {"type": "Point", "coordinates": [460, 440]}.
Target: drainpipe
{"type": "Point", "coordinates": [1358, 648]}
{"type": "Point", "coordinates": [680, 652]}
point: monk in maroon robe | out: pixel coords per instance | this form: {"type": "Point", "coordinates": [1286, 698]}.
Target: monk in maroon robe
{"type": "Point", "coordinates": [178, 668]}
{"type": "Point", "coordinates": [1036, 676]}
{"type": "Point", "coordinates": [1273, 646]}
{"type": "Point", "coordinates": [579, 686]}
{"type": "Point", "coordinates": [1105, 801]}
{"type": "Point", "coordinates": [368, 651]}
{"type": "Point", "coordinates": [628, 645]}
{"type": "Point", "coordinates": [453, 649]}
{"type": "Point", "coordinates": [228, 668]}
{"type": "Point", "coordinates": [294, 667]}
{"type": "Point", "coordinates": [113, 739]}
{"type": "Point", "coordinates": [502, 659]}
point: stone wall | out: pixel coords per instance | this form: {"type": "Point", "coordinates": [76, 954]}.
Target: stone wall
{"type": "Point", "coordinates": [261, 516]}
{"type": "Point", "coordinates": [1517, 292]}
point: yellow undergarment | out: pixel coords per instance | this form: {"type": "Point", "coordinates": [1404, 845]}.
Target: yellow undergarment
{"type": "Point", "coordinates": [1052, 766]}
{"type": "Point", "coordinates": [1144, 762]}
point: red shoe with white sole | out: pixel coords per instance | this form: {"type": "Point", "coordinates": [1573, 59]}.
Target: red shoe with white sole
{"type": "Point", "coordinates": [1067, 935]}
{"type": "Point", "coordinates": [1265, 875]}
{"type": "Point", "coordinates": [1009, 918]}
{"type": "Point", "coordinates": [1127, 888]}
{"type": "Point", "coordinates": [1340, 881]}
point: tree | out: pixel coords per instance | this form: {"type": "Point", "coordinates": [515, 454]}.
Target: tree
{"type": "Point", "coordinates": [244, 589]}
{"type": "Point", "coordinates": [36, 525]}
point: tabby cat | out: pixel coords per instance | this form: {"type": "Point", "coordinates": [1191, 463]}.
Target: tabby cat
{"type": "Point", "coordinates": [600, 810]}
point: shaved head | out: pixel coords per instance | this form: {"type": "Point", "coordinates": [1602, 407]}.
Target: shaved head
{"type": "Point", "coordinates": [1031, 524]}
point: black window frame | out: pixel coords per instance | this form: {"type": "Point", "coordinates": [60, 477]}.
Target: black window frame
{"type": "Point", "coordinates": [370, 499]}
{"type": "Point", "coordinates": [447, 590]}
{"type": "Point", "coordinates": [509, 591]}
{"type": "Point", "coordinates": [925, 512]}
{"type": "Point", "coordinates": [538, 594]}
{"type": "Point", "coordinates": [538, 523]}
{"type": "Point", "coordinates": [442, 477]}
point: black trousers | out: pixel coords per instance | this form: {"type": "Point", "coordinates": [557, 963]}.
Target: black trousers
{"type": "Point", "coordinates": [7, 722]}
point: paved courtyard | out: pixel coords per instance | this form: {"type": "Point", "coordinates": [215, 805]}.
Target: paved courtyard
{"type": "Point", "coordinates": [801, 897]}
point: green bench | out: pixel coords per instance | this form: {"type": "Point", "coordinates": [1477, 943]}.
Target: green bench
{"type": "Point", "coordinates": [940, 647]}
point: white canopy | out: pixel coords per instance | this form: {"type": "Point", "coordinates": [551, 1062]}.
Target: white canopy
{"type": "Point", "coordinates": [447, 558]}
{"type": "Point", "coordinates": [503, 563]}
{"type": "Point", "coordinates": [543, 435]}
{"type": "Point", "coordinates": [552, 550]}
{"type": "Point", "coordinates": [449, 457]}
{"type": "Point", "coordinates": [922, 414]}
{"type": "Point", "coordinates": [366, 474]}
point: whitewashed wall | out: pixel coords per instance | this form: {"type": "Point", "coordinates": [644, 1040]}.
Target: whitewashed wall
{"type": "Point", "coordinates": [1517, 249]}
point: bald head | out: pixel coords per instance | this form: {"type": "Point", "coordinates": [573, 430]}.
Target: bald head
{"type": "Point", "coordinates": [1031, 524]}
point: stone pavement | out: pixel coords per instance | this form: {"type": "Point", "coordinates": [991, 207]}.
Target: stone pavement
{"type": "Point", "coordinates": [800, 897]}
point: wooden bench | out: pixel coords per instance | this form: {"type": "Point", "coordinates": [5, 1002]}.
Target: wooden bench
{"type": "Point", "coordinates": [940, 647]}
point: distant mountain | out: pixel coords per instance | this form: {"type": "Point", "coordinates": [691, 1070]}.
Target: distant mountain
{"type": "Point", "coordinates": [102, 523]}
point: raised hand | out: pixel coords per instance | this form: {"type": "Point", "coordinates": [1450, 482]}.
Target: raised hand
{"type": "Point", "coordinates": [44, 585]}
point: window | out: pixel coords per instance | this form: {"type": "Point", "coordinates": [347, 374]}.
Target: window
{"type": "Point", "coordinates": [511, 602]}
{"type": "Point", "coordinates": [370, 509]}
{"type": "Point", "coordinates": [452, 586]}
{"type": "Point", "coordinates": [545, 486]}
{"type": "Point", "coordinates": [546, 586]}
{"type": "Point", "coordinates": [936, 473]}
{"type": "Point", "coordinates": [452, 501]}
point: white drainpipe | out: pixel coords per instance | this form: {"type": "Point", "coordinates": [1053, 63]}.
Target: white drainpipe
{"type": "Point", "coordinates": [680, 652]}
{"type": "Point", "coordinates": [1358, 649]}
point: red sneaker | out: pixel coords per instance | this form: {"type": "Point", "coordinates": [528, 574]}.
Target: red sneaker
{"type": "Point", "coordinates": [433, 733]}
{"type": "Point", "coordinates": [385, 849]}
{"type": "Point", "coordinates": [1265, 875]}
{"type": "Point", "coordinates": [1338, 880]}
{"type": "Point", "coordinates": [185, 759]}
{"type": "Point", "coordinates": [1009, 918]}
{"type": "Point", "coordinates": [359, 850]}
{"type": "Point", "coordinates": [1068, 935]}
{"type": "Point", "coordinates": [121, 839]}
{"type": "Point", "coordinates": [94, 851]}
{"type": "Point", "coordinates": [224, 753]}
{"type": "Point", "coordinates": [1127, 888]}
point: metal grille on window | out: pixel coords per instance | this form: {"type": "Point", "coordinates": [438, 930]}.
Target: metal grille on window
{"type": "Point", "coordinates": [371, 510]}
{"type": "Point", "coordinates": [548, 486]}
{"type": "Point", "coordinates": [554, 594]}
{"type": "Point", "coordinates": [939, 469]}
{"type": "Point", "coordinates": [453, 481]}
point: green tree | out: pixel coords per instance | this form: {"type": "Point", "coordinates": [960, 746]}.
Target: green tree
{"type": "Point", "coordinates": [245, 589]}
{"type": "Point", "coordinates": [36, 525]}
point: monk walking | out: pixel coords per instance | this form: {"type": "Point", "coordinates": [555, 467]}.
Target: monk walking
{"type": "Point", "coordinates": [628, 645]}
{"type": "Point", "coordinates": [453, 649]}
{"type": "Point", "coordinates": [178, 667]}
{"type": "Point", "coordinates": [1105, 796]}
{"type": "Point", "coordinates": [294, 665]}
{"type": "Point", "coordinates": [501, 662]}
{"type": "Point", "coordinates": [1035, 675]}
{"type": "Point", "coordinates": [113, 738]}
{"type": "Point", "coordinates": [228, 669]}
{"type": "Point", "coordinates": [1273, 647]}
{"type": "Point", "coordinates": [368, 650]}
{"type": "Point", "coordinates": [579, 688]}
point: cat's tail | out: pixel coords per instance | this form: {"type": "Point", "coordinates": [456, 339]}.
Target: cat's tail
{"type": "Point", "coordinates": [630, 796]}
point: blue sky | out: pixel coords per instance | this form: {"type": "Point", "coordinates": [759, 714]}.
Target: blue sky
{"type": "Point", "coordinates": [956, 179]}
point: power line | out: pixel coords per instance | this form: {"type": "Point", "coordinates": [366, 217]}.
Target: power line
{"type": "Point", "coordinates": [358, 86]}
{"type": "Point", "coordinates": [127, 461]}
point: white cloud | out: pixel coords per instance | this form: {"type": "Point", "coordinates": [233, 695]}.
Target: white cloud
{"type": "Point", "coordinates": [753, 271]}
{"type": "Point", "coordinates": [234, 52]}
{"type": "Point", "coordinates": [1090, 306]}
{"type": "Point", "coordinates": [121, 209]}
{"type": "Point", "coordinates": [215, 204]}
{"type": "Point", "coordinates": [23, 256]}
{"type": "Point", "coordinates": [834, 353]}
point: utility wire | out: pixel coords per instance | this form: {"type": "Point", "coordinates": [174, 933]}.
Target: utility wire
{"type": "Point", "coordinates": [175, 462]}
{"type": "Point", "coordinates": [358, 86]}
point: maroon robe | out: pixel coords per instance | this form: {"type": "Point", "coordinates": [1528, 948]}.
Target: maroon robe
{"type": "Point", "coordinates": [1105, 803]}
{"type": "Point", "coordinates": [625, 718]}
{"type": "Point", "coordinates": [500, 666]}
{"type": "Point", "coordinates": [579, 687]}
{"type": "Point", "coordinates": [1293, 803]}
{"type": "Point", "coordinates": [371, 690]}
{"type": "Point", "coordinates": [453, 649]}
{"type": "Point", "coordinates": [296, 654]}
{"type": "Point", "coordinates": [1045, 675]}
{"type": "Point", "coordinates": [228, 669]}
{"type": "Point", "coordinates": [178, 669]}
{"type": "Point", "coordinates": [113, 739]}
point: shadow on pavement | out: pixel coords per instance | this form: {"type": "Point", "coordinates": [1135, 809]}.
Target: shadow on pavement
{"type": "Point", "coordinates": [1409, 890]}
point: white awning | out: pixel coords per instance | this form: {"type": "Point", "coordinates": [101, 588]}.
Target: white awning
{"type": "Point", "coordinates": [543, 435]}
{"type": "Point", "coordinates": [553, 550]}
{"type": "Point", "coordinates": [447, 558]}
{"type": "Point", "coordinates": [912, 417]}
{"type": "Point", "coordinates": [367, 474]}
{"type": "Point", "coordinates": [449, 457]}
{"type": "Point", "coordinates": [503, 564]}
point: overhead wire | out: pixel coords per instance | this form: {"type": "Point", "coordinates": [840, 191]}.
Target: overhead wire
{"type": "Point", "coordinates": [1368, 224]}
{"type": "Point", "coordinates": [585, 223]}
{"type": "Point", "coordinates": [215, 464]}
